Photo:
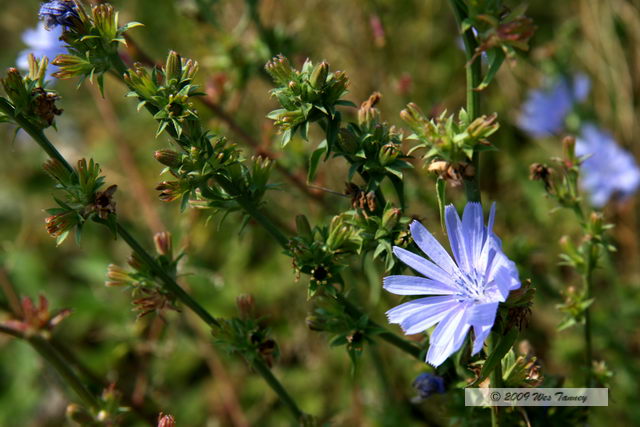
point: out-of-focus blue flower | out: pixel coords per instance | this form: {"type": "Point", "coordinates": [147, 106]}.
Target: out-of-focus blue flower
{"type": "Point", "coordinates": [58, 13]}
{"type": "Point", "coordinates": [468, 289]}
{"type": "Point", "coordinates": [609, 170]}
{"type": "Point", "coordinates": [545, 110]}
{"type": "Point", "coordinates": [427, 384]}
{"type": "Point", "coordinates": [41, 42]}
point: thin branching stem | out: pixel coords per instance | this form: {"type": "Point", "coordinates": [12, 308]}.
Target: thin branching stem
{"type": "Point", "coordinates": [46, 350]}
{"type": "Point", "coordinates": [169, 282]}
{"type": "Point", "coordinates": [282, 239]}
{"type": "Point", "coordinates": [474, 76]}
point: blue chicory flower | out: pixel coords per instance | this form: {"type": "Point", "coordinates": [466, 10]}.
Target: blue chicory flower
{"type": "Point", "coordinates": [609, 170]}
{"type": "Point", "coordinates": [58, 13]}
{"type": "Point", "coordinates": [545, 110]}
{"type": "Point", "coordinates": [428, 384]}
{"type": "Point", "coordinates": [468, 290]}
{"type": "Point", "coordinates": [41, 42]}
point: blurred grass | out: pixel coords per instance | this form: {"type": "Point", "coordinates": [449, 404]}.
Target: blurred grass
{"type": "Point", "coordinates": [419, 61]}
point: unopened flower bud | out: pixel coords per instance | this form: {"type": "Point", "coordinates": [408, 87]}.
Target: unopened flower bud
{"type": "Point", "coordinates": [427, 384]}
{"type": "Point", "coordinates": [390, 218]}
{"type": "Point", "coordinates": [314, 323]}
{"type": "Point", "coordinates": [413, 116]}
{"type": "Point", "coordinates": [569, 150]}
{"type": "Point", "coordinates": [61, 223]}
{"type": "Point", "coordinates": [14, 87]}
{"type": "Point", "coordinates": [135, 262]}
{"type": "Point", "coordinates": [347, 141]}
{"type": "Point", "coordinates": [117, 276]}
{"type": "Point", "coordinates": [57, 171]}
{"type": "Point", "coordinates": [388, 153]}
{"type": "Point", "coordinates": [173, 67]}
{"type": "Point", "coordinates": [246, 305]}
{"type": "Point", "coordinates": [319, 75]}
{"type": "Point", "coordinates": [295, 87]}
{"type": "Point", "coordinates": [166, 420]}
{"type": "Point", "coordinates": [163, 243]}
{"type": "Point", "coordinates": [168, 158]}
{"type": "Point", "coordinates": [280, 69]}
{"type": "Point", "coordinates": [170, 191]}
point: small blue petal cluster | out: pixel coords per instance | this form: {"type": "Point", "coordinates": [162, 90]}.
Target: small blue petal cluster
{"type": "Point", "coordinates": [545, 110]}
{"type": "Point", "coordinates": [427, 384]}
{"type": "Point", "coordinates": [41, 42]}
{"type": "Point", "coordinates": [468, 290]}
{"type": "Point", "coordinates": [58, 13]}
{"type": "Point", "coordinates": [609, 170]}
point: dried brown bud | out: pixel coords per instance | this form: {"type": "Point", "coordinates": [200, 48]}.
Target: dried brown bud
{"type": "Point", "coordinates": [44, 105]}
{"type": "Point", "coordinates": [540, 172]}
{"type": "Point", "coordinates": [104, 205]}
{"type": "Point", "coordinates": [453, 173]}
{"type": "Point", "coordinates": [367, 112]}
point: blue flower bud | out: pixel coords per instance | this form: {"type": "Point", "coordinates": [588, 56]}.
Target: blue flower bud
{"type": "Point", "coordinates": [427, 384]}
{"type": "Point", "coordinates": [59, 13]}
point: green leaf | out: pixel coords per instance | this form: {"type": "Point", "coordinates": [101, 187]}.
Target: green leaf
{"type": "Point", "coordinates": [496, 57]}
{"type": "Point", "coordinates": [346, 103]}
{"type": "Point", "coordinates": [333, 127]}
{"type": "Point", "coordinates": [286, 137]}
{"type": "Point", "coordinates": [314, 160]}
{"type": "Point", "coordinates": [504, 345]}
{"type": "Point", "coordinates": [440, 191]}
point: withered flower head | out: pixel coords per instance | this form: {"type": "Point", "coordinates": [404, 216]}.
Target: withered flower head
{"type": "Point", "coordinates": [104, 205]}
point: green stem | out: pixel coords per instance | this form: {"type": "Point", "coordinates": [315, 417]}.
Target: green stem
{"type": "Point", "coordinates": [10, 331]}
{"type": "Point", "coordinates": [587, 283]}
{"type": "Point", "coordinates": [496, 379]}
{"type": "Point", "coordinates": [474, 77]}
{"type": "Point", "coordinates": [35, 133]}
{"type": "Point", "coordinates": [45, 349]}
{"type": "Point", "coordinates": [285, 397]}
{"type": "Point", "coordinates": [169, 282]}
{"type": "Point", "coordinates": [389, 337]}
{"type": "Point", "coordinates": [250, 208]}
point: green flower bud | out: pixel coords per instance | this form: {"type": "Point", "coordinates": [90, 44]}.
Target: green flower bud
{"type": "Point", "coordinates": [569, 151]}
{"type": "Point", "coordinates": [14, 88]}
{"type": "Point", "coordinates": [280, 70]}
{"type": "Point", "coordinates": [261, 171]}
{"type": "Point", "coordinates": [315, 323]}
{"type": "Point", "coordinates": [58, 171]}
{"type": "Point", "coordinates": [106, 21]}
{"type": "Point", "coordinates": [60, 223]}
{"type": "Point", "coordinates": [347, 141]}
{"type": "Point", "coordinates": [390, 218]}
{"type": "Point", "coordinates": [319, 75]}
{"type": "Point", "coordinates": [173, 68]}
{"type": "Point", "coordinates": [72, 66]}
{"type": "Point", "coordinates": [413, 117]}
{"type": "Point", "coordinates": [168, 158]}
{"type": "Point", "coordinates": [388, 153]}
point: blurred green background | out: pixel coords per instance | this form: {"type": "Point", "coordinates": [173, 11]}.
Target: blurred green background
{"type": "Point", "coordinates": [414, 58]}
